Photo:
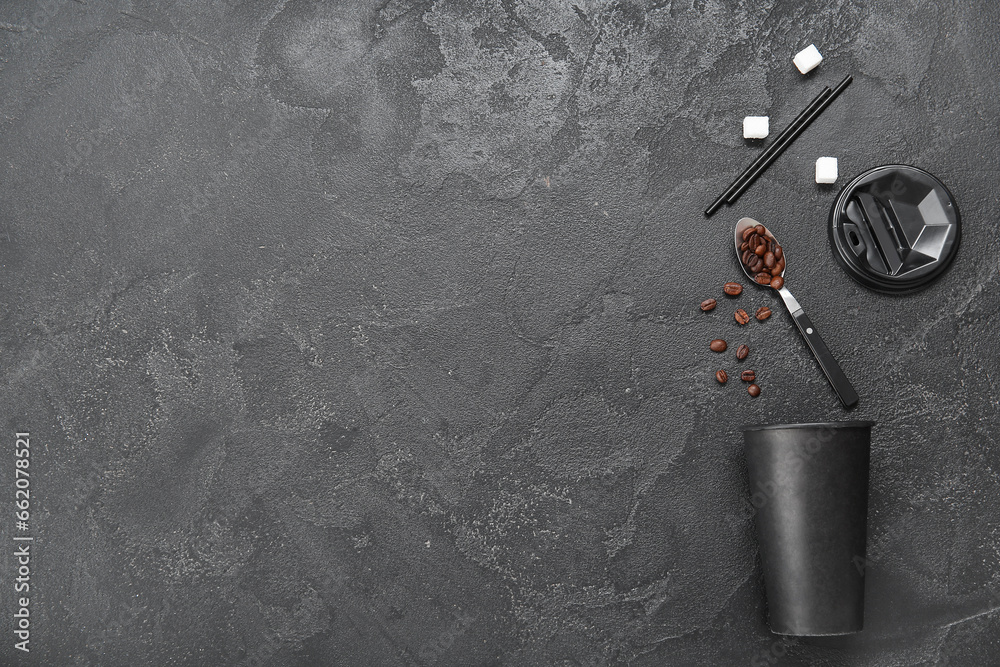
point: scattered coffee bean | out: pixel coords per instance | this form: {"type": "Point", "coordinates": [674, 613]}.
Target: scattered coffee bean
{"type": "Point", "coordinates": [748, 376]}
{"type": "Point", "coordinates": [732, 289]}
{"type": "Point", "coordinates": [741, 316]}
{"type": "Point", "coordinates": [763, 312]}
{"type": "Point", "coordinates": [718, 345]}
{"type": "Point", "coordinates": [753, 390]}
{"type": "Point", "coordinates": [708, 304]}
{"type": "Point", "coordinates": [742, 351]}
{"type": "Point", "coordinates": [777, 282]}
{"type": "Point", "coordinates": [721, 376]}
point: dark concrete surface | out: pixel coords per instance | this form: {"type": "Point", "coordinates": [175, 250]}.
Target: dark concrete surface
{"type": "Point", "coordinates": [367, 333]}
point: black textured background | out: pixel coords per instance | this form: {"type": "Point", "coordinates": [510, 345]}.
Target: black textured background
{"type": "Point", "coordinates": [366, 333]}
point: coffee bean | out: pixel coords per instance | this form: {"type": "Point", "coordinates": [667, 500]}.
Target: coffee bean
{"type": "Point", "coordinates": [742, 351]}
{"type": "Point", "coordinates": [762, 256]}
{"type": "Point", "coordinates": [718, 345]}
{"type": "Point", "coordinates": [732, 289]}
{"type": "Point", "coordinates": [721, 376]}
{"type": "Point", "coordinates": [741, 316]}
{"type": "Point", "coordinates": [753, 390]}
{"type": "Point", "coordinates": [708, 304]}
{"type": "Point", "coordinates": [763, 312]}
{"type": "Point", "coordinates": [748, 376]}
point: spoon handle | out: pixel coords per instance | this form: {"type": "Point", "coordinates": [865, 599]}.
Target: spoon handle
{"type": "Point", "coordinates": [830, 367]}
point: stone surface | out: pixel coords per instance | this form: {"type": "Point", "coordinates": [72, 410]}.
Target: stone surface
{"type": "Point", "coordinates": [368, 333]}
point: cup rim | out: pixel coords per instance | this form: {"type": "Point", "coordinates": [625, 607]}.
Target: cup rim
{"type": "Point", "coordinates": [774, 427]}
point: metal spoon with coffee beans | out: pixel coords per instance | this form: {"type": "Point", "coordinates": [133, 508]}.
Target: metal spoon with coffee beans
{"type": "Point", "coordinates": [763, 261]}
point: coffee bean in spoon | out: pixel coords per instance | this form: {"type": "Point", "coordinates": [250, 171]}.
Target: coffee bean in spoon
{"type": "Point", "coordinates": [763, 257]}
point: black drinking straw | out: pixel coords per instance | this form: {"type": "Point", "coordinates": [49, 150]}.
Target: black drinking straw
{"type": "Point", "coordinates": [780, 148]}
{"type": "Point", "coordinates": [787, 135]}
{"type": "Point", "coordinates": [767, 151]}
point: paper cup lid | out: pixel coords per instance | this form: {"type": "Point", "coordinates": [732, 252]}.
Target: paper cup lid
{"type": "Point", "coordinates": [895, 228]}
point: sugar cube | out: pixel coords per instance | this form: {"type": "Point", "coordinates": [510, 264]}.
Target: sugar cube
{"type": "Point", "coordinates": [807, 59]}
{"type": "Point", "coordinates": [755, 127]}
{"type": "Point", "coordinates": [826, 170]}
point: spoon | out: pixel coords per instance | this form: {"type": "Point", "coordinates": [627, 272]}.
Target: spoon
{"type": "Point", "coordinates": [830, 367]}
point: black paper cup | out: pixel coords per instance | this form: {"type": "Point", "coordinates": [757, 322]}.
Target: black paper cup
{"type": "Point", "coordinates": [809, 486]}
